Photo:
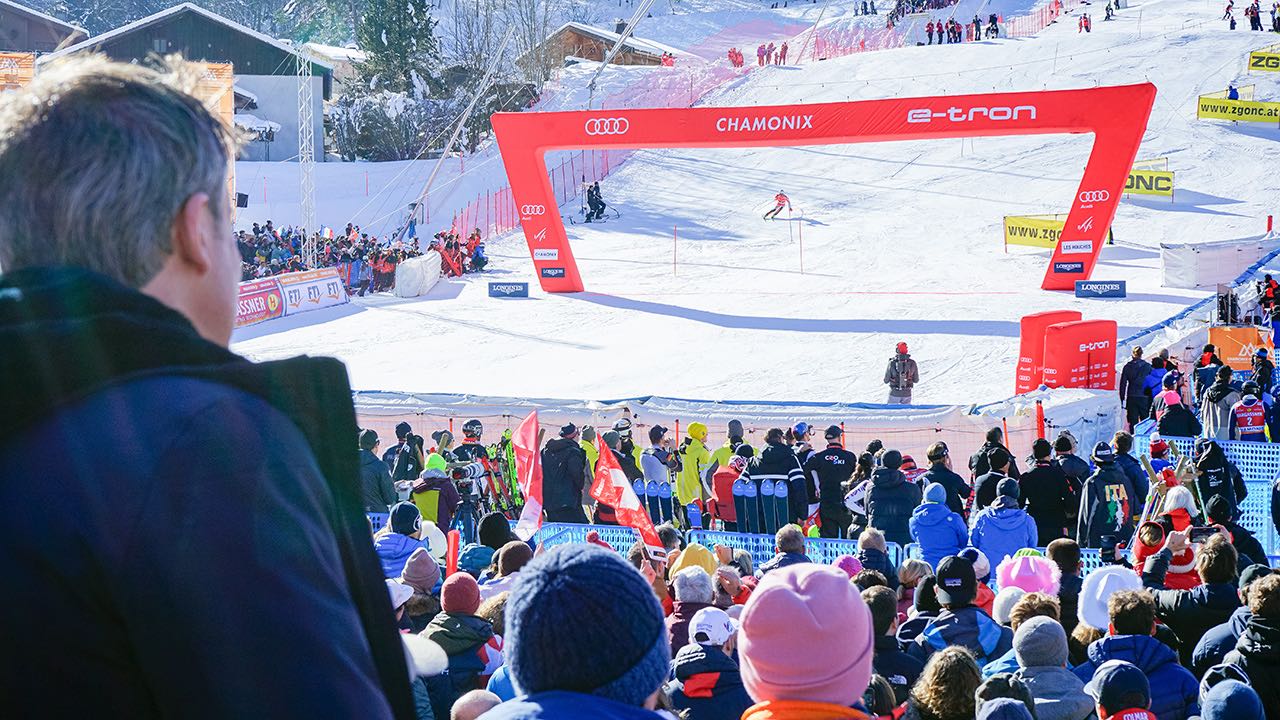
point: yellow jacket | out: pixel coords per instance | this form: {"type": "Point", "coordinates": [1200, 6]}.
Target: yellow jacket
{"type": "Point", "coordinates": [592, 456]}
{"type": "Point", "coordinates": [696, 460]}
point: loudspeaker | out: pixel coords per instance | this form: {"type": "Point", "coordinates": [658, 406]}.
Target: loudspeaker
{"type": "Point", "coordinates": [242, 200]}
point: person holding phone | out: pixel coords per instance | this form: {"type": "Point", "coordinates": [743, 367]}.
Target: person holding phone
{"type": "Point", "coordinates": [1191, 613]}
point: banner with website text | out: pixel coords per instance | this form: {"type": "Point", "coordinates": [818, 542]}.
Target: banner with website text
{"type": "Point", "coordinates": [1040, 231]}
{"type": "Point", "coordinates": [1217, 106]}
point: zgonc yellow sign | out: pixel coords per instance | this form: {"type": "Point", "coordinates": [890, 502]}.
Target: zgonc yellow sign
{"type": "Point", "coordinates": [1149, 182]}
{"type": "Point", "coordinates": [1218, 107]}
{"type": "Point", "coordinates": [1266, 59]}
{"type": "Point", "coordinates": [1040, 231]}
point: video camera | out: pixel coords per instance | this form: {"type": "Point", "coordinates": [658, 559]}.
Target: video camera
{"type": "Point", "coordinates": [464, 477]}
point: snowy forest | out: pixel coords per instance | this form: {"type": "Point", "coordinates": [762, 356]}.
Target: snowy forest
{"type": "Point", "coordinates": [424, 58]}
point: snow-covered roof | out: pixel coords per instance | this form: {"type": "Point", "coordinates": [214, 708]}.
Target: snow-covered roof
{"type": "Point", "coordinates": [253, 122]}
{"type": "Point", "coordinates": [246, 94]}
{"type": "Point", "coordinates": [337, 54]}
{"type": "Point", "coordinates": [48, 18]}
{"type": "Point", "coordinates": [633, 43]}
{"type": "Point", "coordinates": [175, 10]}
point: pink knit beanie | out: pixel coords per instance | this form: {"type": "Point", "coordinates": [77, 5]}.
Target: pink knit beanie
{"type": "Point", "coordinates": [1032, 574]}
{"type": "Point", "coordinates": [806, 635]}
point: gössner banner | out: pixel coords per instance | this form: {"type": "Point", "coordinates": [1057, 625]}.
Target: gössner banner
{"type": "Point", "coordinates": [289, 294]}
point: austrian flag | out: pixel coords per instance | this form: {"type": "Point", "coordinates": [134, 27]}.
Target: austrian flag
{"type": "Point", "coordinates": [610, 487]}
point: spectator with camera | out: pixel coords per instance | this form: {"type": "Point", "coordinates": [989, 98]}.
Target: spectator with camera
{"type": "Point", "coordinates": [1192, 613]}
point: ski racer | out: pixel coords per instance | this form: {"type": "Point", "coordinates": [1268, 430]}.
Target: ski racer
{"type": "Point", "coordinates": [901, 375]}
{"type": "Point", "coordinates": [781, 201]}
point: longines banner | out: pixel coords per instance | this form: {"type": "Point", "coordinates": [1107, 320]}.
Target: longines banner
{"type": "Point", "coordinates": [1116, 117]}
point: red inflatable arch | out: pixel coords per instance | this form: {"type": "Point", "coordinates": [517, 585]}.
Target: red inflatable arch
{"type": "Point", "coordinates": [1117, 116]}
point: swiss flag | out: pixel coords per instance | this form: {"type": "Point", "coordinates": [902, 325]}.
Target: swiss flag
{"type": "Point", "coordinates": [529, 474]}
{"type": "Point", "coordinates": [610, 486]}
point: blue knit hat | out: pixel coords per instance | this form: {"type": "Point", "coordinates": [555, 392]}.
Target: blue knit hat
{"type": "Point", "coordinates": [1231, 700]}
{"type": "Point", "coordinates": [935, 493]}
{"type": "Point", "coordinates": [581, 619]}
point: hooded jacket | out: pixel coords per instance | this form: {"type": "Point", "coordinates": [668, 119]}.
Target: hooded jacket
{"type": "Point", "coordinates": [462, 637]}
{"type": "Point", "coordinates": [393, 551]}
{"type": "Point", "coordinates": [150, 421]}
{"type": "Point", "coordinates": [564, 473]}
{"type": "Point", "coordinates": [1002, 530]}
{"type": "Point", "coordinates": [896, 666]}
{"type": "Point", "coordinates": [1047, 496]}
{"type": "Point", "coordinates": [1057, 692]}
{"type": "Point", "coordinates": [1215, 410]}
{"type": "Point", "coordinates": [1174, 690]}
{"type": "Point", "coordinates": [957, 489]}
{"type": "Point", "coordinates": [1106, 507]}
{"type": "Point", "coordinates": [376, 491]}
{"type": "Point", "coordinates": [967, 626]}
{"type": "Point", "coordinates": [436, 497]}
{"type": "Point", "coordinates": [1218, 641]}
{"type": "Point", "coordinates": [939, 532]}
{"type": "Point", "coordinates": [1132, 376]}
{"type": "Point", "coordinates": [1178, 421]}
{"type": "Point", "coordinates": [890, 503]}
{"type": "Point", "coordinates": [565, 705]}
{"type": "Point", "coordinates": [707, 684]}
{"type": "Point", "coordinates": [695, 459]}
{"type": "Point", "coordinates": [1217, 476]}
{"type": "Point", "coordinates": [1257, 653]}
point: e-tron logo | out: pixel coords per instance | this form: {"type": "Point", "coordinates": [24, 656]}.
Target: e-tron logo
{"type": "Point", "coordinates": [1099, 345]}
{"type": "Point", "coordinates": [533, 209]}
{"type": "Point", "coordinates": [607, 126]}
{"type": "Point", "coordinates": [955, 114]}
{"type": "Point", "coordinates": [1093, 196]}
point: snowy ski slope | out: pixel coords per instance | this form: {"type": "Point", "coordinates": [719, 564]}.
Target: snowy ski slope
{"type": "Point", "coordinates": [900, 241]}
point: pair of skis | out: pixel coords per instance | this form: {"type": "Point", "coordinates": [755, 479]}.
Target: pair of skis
{"type": "Point", "coordinates": [763, 509]}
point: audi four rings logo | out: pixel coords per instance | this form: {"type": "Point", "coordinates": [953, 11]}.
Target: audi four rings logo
{"type": "Point", "coordinates": [1091, 196]}
{"type": "Point", "coordinates": [607, 126]}
{"type": "Point", "coordinates": [533, 209]}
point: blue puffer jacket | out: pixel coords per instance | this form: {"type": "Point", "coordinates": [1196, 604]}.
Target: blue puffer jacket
{"type": "Point", "coordinates": [394, 550]}
{"type": "Point", "coordinates": [1174, 690]}
{"type": "Point", "coordinates": [967, 626]}
{"type": "Point", "coordinates": [1002, 530]}
{"type": "Point", "coordinates": [939, 531]}
{"type": "Point", "coordinates": [563, 705]}
{"type": "Point", "coordinates": [1218, 641]}
{"type": "Point", "coordinates": [707, 684]}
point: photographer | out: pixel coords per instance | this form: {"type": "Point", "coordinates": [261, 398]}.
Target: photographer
{"type": "Point", "coordinates": [1191, 613]}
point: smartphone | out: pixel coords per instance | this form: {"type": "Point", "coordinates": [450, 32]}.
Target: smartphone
{"type": "Point", "coordinates": [1201, 534]}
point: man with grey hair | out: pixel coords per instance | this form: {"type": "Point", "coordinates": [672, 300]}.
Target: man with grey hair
{"type": "Point", "coordinates": [693, 591]}
{"type": "Point", "coordinates": [789, 542]}
{"type": "Point", "coordinates": [182, 531]}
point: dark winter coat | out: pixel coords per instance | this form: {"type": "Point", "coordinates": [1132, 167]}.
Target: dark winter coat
{"type": "Point", "coordinates": [979, 464]}
{"type": "Point", "coordinates": [1131, 378]}
{"type": "Point", "coordinates": [678, 623]}
{"type": "Point", "coordinates": [778, 463]}
{"type": "Point", "coordinates": [1137, 477]}
{"type": "Point", "coordinates": [1189, 613]}
{"type": "Point", "coordinates": [1106, 507]}
{"type": "Point", "coordinates": [707, 684]}
{"type": "Point", "coordinates": [957, 489]}
{"type": "Point", "coordinates": [1075, 468]}
{"type": "Point", "coordinates": [1069, 601]}
{"type": "Point", "coordinates": [1178, 421]}
{"type": "Point", "coordinates": [186, 481]}
{"type": "Point", "coordinates": [564, 473]}
{"type": "Point", "coordinates": [967, 626]}
{"type": "Point", "coordinates": [564, 705]}
{"type": "Point", "coordinates": [911, 629]}
{"type": "Point", "coordinates": [1217, 476]}
{"type": "Point", "coordinates": [1257, 653]}
{"type": "Point", "coordinates": [1047, 496]}
{"type": "Point", "coordinates": [939, 532]}
{"type": "Point", "coordinates": [984, 489]}
{"type": "Point", "coordinates": [890, 503]}
{"type": "Point", "coordinates": [1002, 530]}
{"type": "Point", "coordinates": [831, 468]}
{"type": "Point", "coordinates": [1218, 641]}
{"type": "Point", "coordinates": [376, 491]}
{"type": "Point", "coordinates": [1174, 690]}
{"type": "Point", "coordinates": [873, 559]}
{"type": "Point", "coordinates": [1249, 550]}
{"type": "Point", "coordinates": [781, 560]}
{"type": "Point", "coordinates": [461, 637]}
{"type": "Point", "coordinates": [894, 665]}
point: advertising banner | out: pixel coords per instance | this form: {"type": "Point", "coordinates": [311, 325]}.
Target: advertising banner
{"type": "Point", "coordinates": [259, 300]}
{"type": "Point", "coordinates": [1101, 289]}
{"type": "Point", "coordinates": [16, 69]}
{"type": "Point", "coordinates": [1040, 231]}
{"type": "Point", "coordinates": [216, 89]}
{"type": "Point", "coordinates": [1149, 182]}
{"type": "Point", "coordinates": [509, 289]}
{"type": "Point", "coordinates": [1081, 354]}
{"type": "Point", "coordinates": [1031, 346]}
{"type": "Point", "coordinates": [312, 290]}
{"type": "Point", "coordinates": [1264, 60]}
{"type": "Point", "coordinates": [1220, 108]}
{"type": "Point", "coordinates": [1237, 345]}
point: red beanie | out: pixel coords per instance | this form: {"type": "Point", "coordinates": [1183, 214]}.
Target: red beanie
{"type": "Point", "coordinates": [460, 594]}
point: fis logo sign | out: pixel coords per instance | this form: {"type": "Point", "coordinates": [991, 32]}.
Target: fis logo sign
{"type": "Point", "coordinates": [768, 122]}
{"type": "Point", "coordinates": [1100, 289]}
{"type": "Point", "coordinates": [552, 272]}
{"type": "Point", "coordinates": [1076, 247]}
{"type": "Point", "coordinates": [1086, 226]}
{"type": "Point", "coordinates": [1068, 267]}
{"type": "Point", "coordinates": [507, 290]}
{"type": "Point", "coordinates": [540, 235]}
{"type": "Point", "coordinates": [546, 254]}
{"type": "Point", "coordinates": [607, 126]}
{"type": "Point", "coordinates": [958, 115]}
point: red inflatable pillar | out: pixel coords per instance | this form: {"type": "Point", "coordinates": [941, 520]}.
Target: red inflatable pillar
{"type": "Point", "coordinates": [1081, 354]}
{"type": "Point", "coordinates": [1031, 347]}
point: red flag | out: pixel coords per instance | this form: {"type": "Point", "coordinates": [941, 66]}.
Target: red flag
{"type": "Point", "coordinates": [611, 487]}
{"type": "Point", "coordinates": [529, 474]}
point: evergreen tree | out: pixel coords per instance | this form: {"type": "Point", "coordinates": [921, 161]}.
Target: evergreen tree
{"type": "Point", "coordinates": [403, 53]}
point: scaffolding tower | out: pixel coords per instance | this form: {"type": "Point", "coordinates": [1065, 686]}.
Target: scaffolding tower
{"type": "Point", "coordinates": [307, 159]}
